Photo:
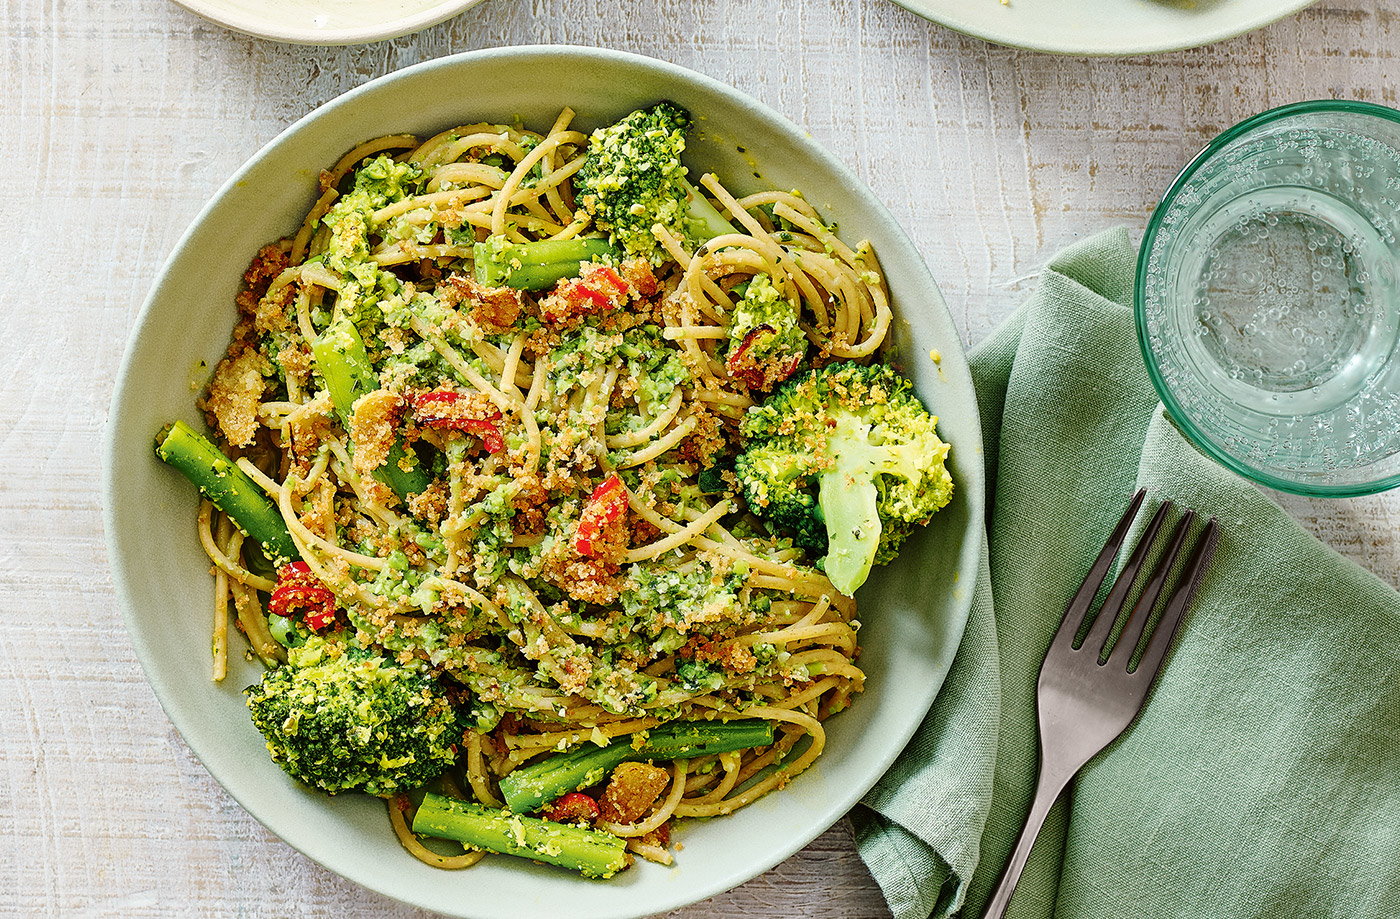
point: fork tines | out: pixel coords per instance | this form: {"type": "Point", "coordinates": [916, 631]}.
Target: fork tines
{"type": "Point", "coordinates": [1080, 607]}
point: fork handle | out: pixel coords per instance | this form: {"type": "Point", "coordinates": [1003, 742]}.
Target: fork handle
{"type": "Point", "coordinates": [1047, 792]}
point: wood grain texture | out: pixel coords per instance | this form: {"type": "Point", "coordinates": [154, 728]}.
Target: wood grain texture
{"type": "Point", "coordinates": [118, 119]}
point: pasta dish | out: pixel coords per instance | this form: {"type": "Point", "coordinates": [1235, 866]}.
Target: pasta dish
{"type": "Point", "coordinates": [542, 477]}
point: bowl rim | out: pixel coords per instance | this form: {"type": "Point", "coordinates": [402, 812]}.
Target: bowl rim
{"type": "Point", "coordinates": [966, 557]}
{"type": "Point", "coordinates": [1183, 420]}
{"type": "Point", "coordinates": [258, 27]}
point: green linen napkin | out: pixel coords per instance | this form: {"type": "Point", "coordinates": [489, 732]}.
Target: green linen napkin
{"type": "Point", "coordinates": [1261, 781]}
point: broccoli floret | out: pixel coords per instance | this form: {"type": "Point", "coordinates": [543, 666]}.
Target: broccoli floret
{"type": "Point", "coordinates": [633, 179]}
{"type": "Point", "coordinates": [343, 719]}
{"type": "Point", "coordinates": [861, 439]}
{"type": "Point", "coordinates": [766, 342]}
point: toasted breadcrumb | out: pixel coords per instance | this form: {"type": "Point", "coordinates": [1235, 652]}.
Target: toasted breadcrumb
{"type": "Point", "coordinates": [758, 367]}
{"type": "Point", "coordinates": [372, 424]}
{"type": "Point", "coordinates": [271, 312]}
{"type": "Point", "coordinates": [295, 361]}
{"type": "Point", "coordinates": [735, 658]}
{"type": "Point", "coordinates": [531, 502]}
{"type": "Point", "coordinates": [659, 837]}
{"type": "Point", "coordinates": [595, 579]}
{"type": "Point", "coordinates": [632, 791]}
{"type": "Point", "coordinates": [470, 405]}
{"type": "Point", "coordinates": [493, 309]}
{"type": "Point", "coordinates": [318, 509]}
{"type": "Point", "coordinates": [271, 260]}
{"type": "Point", "coordinates": [430, 505]}
{"type": "Point", "coordinates": [311, 427]}
{"type": "Point", "coordinates": [637, 272]}
{"type": "Point", "coordinates": [707, 440]}
{"type": "Point", "coordinates": [598, 290]}
{"type": "Point", "coordinates": [236, 392]}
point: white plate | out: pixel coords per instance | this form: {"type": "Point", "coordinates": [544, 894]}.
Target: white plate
{"type": "Point", "coordinates": [1104, 27]}
{"type": "Point", "coordinates": [327, 22]}
{"type": "Point", "coordinates": [913, 611]}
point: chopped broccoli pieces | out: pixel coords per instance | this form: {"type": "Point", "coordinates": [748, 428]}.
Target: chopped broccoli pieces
{"type": "Point", "coordinates": [633, 179]}
{"type": "Point", "coordinates": [694, 675]}
{"type": "Point", "coordinates": [861, 438]}
{"type": "Point", "coordinates": [766, 342]}
{"type": "Point", "coordinates": [342, 719]}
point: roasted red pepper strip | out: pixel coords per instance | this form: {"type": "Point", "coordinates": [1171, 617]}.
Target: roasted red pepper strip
{"type": "Point", "coordinates": [572, 808]}
{"type": "Point", "coordinates": [612, 277]}
{"type": "Point", "coordinates": [750, 375]}
{"type": "Point", "coordinates": [601, 276]}
{"type": "Point", "coordinates": [604, 506]}
{"type": "Point", "coordinates": [436, 409]}
{"type": "Point", "coordinates": [298, 591]}
{"type": "Point", "coordinates": [600, 299]}
{"type": "Point", "coordinates": [603, 286]}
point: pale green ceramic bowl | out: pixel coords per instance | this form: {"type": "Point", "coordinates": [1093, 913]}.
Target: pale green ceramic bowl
{"type": "Point", "coordinates": [913, 611]}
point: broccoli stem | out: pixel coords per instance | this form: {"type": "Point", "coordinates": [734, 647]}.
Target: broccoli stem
{"type": "Point", "coordinates": [526, 789]}
{"type": "Point", "coordinates": [228, 487]}
{"type": "Point", "coordinates": [706, 214]}
{"type": "Point", "coordinates": [594, 854]}
{"type": "Point", "coordinates": [344, 364]}
{"type": "Point", "coordinates": [537, 265]}
{"type": "Point", "coordinates": [848, 499]}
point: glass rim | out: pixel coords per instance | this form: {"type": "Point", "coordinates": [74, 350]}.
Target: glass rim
{"type": "Point", "coordinates": [1174, 409]}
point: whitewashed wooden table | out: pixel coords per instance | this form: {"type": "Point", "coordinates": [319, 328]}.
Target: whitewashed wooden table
{"type": "Point", "coordinates": [119, 117]}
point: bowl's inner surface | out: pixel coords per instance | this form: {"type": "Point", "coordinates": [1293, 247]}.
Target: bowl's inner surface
{"type": "Point", "coordinates": [912, 612]}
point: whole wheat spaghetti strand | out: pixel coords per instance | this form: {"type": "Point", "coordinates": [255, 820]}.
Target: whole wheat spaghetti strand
{"type": "Point", "coordinates": [729, 763]}
{"type": "Point", "coordinates": [219, 641]}
{"type": "Point", "coordinates": [476, 772]}
{"type": "Point", "coordinates": [651, 853]}
{"type": "Point", "coordinates": [282, 494]}
{"type": "Point", "coordinates": [678, 538]}
{"type": "Point", "coordinates": [657, 425]}
{"type": "Point", "coordinates": [432, 204]}
{"type": "Point", "coordinates": [409, 840]}
{"type": "Point", "coordinates": [784, 774]}
{"type": "Point", "coordinates": [502, 198]}
{"type": "Point", "coordinates": [503, 402]}
{"type": "Point", "coordinates": [663, 444]}
{"type": "Point", "coordinates": [227, 566]}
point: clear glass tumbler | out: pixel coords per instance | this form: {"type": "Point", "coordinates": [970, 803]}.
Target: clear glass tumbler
{"type": "Point", "coordinates": [1268, 298]}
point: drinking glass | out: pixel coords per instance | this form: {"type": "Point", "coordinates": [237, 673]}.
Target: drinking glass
{"type": "Point", "coordinates": [1268, 298]}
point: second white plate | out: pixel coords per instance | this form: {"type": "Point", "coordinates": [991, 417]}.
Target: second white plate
{"type": "Point", "coordinates": [1104, 27]}
{"type": "Point", "coordinates": [327, 22]}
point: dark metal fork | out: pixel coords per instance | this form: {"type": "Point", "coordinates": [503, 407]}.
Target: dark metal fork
{"type": "Point", "coordinates": [1085, 701]}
